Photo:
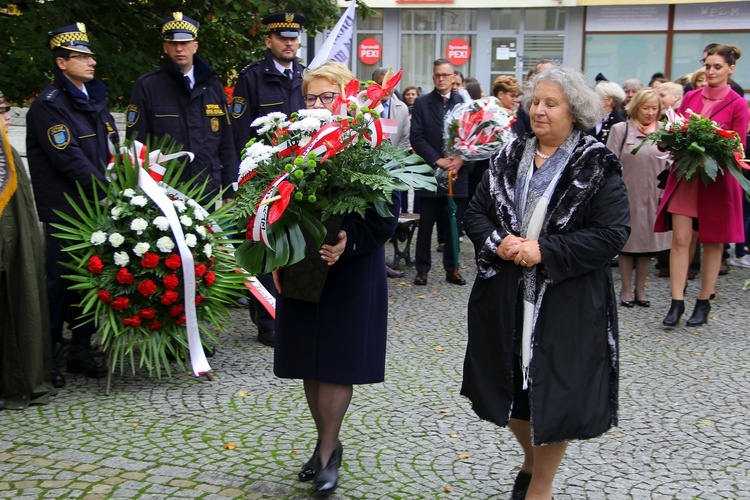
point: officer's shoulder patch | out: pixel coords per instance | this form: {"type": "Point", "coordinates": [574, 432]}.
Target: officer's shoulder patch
{"type": "Point", "coordinates": [52, 95]}
{"type": "Point", "coordinates": [239, 105]}
{"type": "Point", "coordinates": [251, 65]}
{"type": "Point", "coordinates": [59, 136]}
{"type": "Point", "coordinates": [131, 115]}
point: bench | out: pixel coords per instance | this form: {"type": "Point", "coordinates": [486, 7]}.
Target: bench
{"type": "Point", "coordinates": [403, 235]}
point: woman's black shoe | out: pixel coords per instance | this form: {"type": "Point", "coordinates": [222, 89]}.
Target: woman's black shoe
{"type": "Point", "coordinates": [328, 478]}
{"type": "Point", "coordinates": [675, 313]}
{"type": "Point", "coordinates": [643, 303]}
{"type": "Point", "coordinates": [700, 313]}
{"type": "Point", "coordinates": [309, 470]}
{"type": "Point", "coordinates": [627, 303]}
{"type": "Point", "coordinates": [521, 485]}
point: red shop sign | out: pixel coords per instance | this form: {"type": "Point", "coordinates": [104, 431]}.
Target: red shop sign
{"type": "Point", "coordinates": [370, 51]}
{"type": "Point", "coordinates": [458, 51]}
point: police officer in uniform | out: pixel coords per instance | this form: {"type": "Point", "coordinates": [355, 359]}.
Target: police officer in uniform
{"type": "Point", "coordinates": [67, 132]}
{"type": "Point", "coordinates": [272, 84]}
{"type": "Point", "coordinates": [185, 99]}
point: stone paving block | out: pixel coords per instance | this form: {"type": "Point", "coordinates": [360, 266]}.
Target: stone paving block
{"type": "Point", "coordinates": [136, 476]}
{"type": "Point", "coordinates": [125, 464]}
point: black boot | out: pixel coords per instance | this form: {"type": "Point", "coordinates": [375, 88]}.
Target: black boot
{"type": "Point", "coordinates": [675, 313]}
{"type": "Point", "coordinates": [327, 479]}
{"type": "Point", "coordinates": [308, 471]}
{"type": "Point", "coordinates": [80, 359]}
{"type": "Point", "coordinates": [521, 486]}
{"type": "Point", "coordinates": [700, 313]}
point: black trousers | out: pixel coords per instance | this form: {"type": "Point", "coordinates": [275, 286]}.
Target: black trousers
{"type": "Point", "coordinates": [431, 210]}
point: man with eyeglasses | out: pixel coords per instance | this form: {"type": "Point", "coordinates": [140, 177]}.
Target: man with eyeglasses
{"type": "Point", "coordinates": [184, 99]}
{"type": "Point", "coordinates": [269, 85]}
{"type": "Point", "coordinates": [426, 137]}
{"type": "Point", "coordinates": [67, 131]}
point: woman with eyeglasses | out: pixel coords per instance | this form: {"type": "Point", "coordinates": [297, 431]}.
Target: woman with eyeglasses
{"type": "Point", "coordinates": [339, 341]}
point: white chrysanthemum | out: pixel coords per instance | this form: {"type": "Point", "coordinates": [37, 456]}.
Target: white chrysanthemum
{"type": "Point", "coordinates": [208, 250]}
{"type": "Point", "coordinates": [116, 212]}
{"type": "Point", "coordinates": [179, 205]}
{"type": "Point", "coordinates": [322, 115]}
{"type": "Point", "coordinates": [139, 201]}
{"type": "Point", "coordinates": [161, 223]}
{"type": "Point", "coordinates": [191, 240]}
{"type": "Point", "coordinates": [186, 221]}
{"type": "Point", "coordinates": [256, 154]}
{"type": "Point", "coordinates": [116, 239]}
{"type": "Point", "coordinates": [138, 225]}
{"type": "Point", "coordinates": [165, 244]}
{"type": "Point", "coordinates": [121, 259]}
{"type": "Point", "coordinates": [306, 125]}
{"type": "Point", "coordinates": [141, 248]}
{"type": "Point", "coordinates": [98, 237]}
{"type": "Point", "coordinates": [128, 193]}
{"type": "Point", "coordinates": [269, 122]}
{"type": "Point", "coordinates": [201, 231]}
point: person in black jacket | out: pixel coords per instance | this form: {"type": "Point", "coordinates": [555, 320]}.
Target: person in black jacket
{"type": "Point", "coordinates": [426, 138]}
{"type": "Point", "coordinates": [185, 100]}
{"type": "Point", "coordinates": [67, 133]}
{"type": "Point", "coordinates": [273, 84]}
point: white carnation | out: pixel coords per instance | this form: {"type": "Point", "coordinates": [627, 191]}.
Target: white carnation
{"type": "Point", "coordinates": [179, 205]}
{"type": "Point", "coordinates": [116, 239]}
{"type": "Point", "coordinates": [116, 212]}
{"type": "Point", "coordinates": [138, 225]}
{"type": "Point", "coordinates": [121, 259]}
{"type": "Point", "coordinates": [199, 214]}
{"type": "Point", "coordinates": [191, 240]}
{"type": "Point", "coordinates": [139, 201]}
{"type": "Point", "coordinates": [98, 237]}
{"type": "Point", "coordinates": [192, 203]}
{"type": "Point", "coordinates": [128, 193]}
{"type": "Point", "coordinates": [161, 223]}
{"type": "Point", "coordinates": [186, 221]}
{"type": "Point", "coordinates": [141, 248]}
{"type": "Point", "coordinates": [165, 244]}
{"type": "Point", "coordinates": [201, 231]}
{"type": "Point", "coordinates": [208, 250]}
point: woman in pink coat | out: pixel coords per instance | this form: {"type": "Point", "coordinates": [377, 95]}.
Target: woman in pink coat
{"type": "Point", "coordinates": [714, 211]}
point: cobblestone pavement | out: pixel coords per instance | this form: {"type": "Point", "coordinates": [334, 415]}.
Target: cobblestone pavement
{"type": "Point", "coordinates": [684, 421]}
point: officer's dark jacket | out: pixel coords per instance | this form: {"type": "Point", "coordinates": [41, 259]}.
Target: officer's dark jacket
{"type": "Point", "coordinates": [196, 119]}
{"type": "Point", "coordinates": [261, 90]}
{"type": "Point", "coordinates": [66, 141]}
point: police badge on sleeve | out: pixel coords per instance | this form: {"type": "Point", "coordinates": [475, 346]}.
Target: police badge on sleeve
{"type": "Point", "coordinates": [59, 136]}
{"type": "Point", "coordinates": [131, 115]}
{"type": "Point", "coordinates": [238, 106]}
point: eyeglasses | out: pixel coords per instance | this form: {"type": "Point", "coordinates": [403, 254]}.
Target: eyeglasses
{"type": "Point", "coordinates": [325, 98]}
{"type": "Point", "coordinates": [83, 57]}
{"type": "Point", "coordinates": [441, 76]}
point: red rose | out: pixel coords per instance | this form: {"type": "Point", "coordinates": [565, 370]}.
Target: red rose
{"type": "Point", "coordinates": [120, 303]}
{"type": "Point", "coordinates": [199, 299]}
{"type": "Point", "coordinates": [155, 325]}
{"type": "Point", "coordinates": [173, 261]}
{"type": "Point", "coordinates": [209, 278]}
{"type": "Point", "coordinates": [105, 296]}
{"type": "Point", "coordinates": [96, 265]}
{"type": "Point", "coordinates": [134, 321]}
{"type": "Point", "coordinates": [200, 270]}
{"type": "Point", "coordinates": [175, 311]}
{"type": "Point", "coordinates": [169, 297]}
{"type": "Point", "coordinates": [150, 260]}
{"type": "Point", "coordinates": [146, 287]}
{"type": "Point", "coordinates": [181, 320]}
{"type": "Point", "coordinates": [124, 277]}
{"type": "Point", "coordinates": [171, 281]}
{"type": "Point", "coordinates": [148, 313]}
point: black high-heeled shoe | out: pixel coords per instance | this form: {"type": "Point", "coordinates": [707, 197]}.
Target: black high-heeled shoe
{"type": "Point", "coordinates": [308, 471]}
{"type": "Point", "coordinates": [327, 478]}
{"type": "Point", "coordinates": [521, 486]}
{"type": "Point", "coordinates": [700, 313]}
{"type": "Point", "coordinates": [676, 309]}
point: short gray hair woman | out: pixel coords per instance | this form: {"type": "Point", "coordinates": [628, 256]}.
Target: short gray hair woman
{"type": "Point", "coordinates": [549, 214]}
{"type": "Point", "coordinates": [612, 96]}
{"type": "Point", "coordinates": [631, 86]}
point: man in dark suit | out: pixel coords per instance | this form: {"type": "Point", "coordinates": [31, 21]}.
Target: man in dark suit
{"type": "Point", "coordinates": [426, 139]}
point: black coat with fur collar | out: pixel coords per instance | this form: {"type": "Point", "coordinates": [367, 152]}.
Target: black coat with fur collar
{"type": "Point", "coordinates": [573, 377]}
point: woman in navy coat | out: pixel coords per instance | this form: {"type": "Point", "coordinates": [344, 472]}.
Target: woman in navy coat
{"type": "Point", "coordinates": [339, 341]}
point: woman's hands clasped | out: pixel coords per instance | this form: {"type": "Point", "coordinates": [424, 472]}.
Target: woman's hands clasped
{"type": "Point", "coordinates": [521, 251]}
{"type": "Point", "coordinates": [331, 254]}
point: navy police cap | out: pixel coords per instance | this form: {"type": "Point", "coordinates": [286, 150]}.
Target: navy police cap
{"type": "Point", "coordinates": [286, 24]}
{"type": "Point", "coordinates": [72, 37]}
{"type": "Point", "coordinates": [179, 28]}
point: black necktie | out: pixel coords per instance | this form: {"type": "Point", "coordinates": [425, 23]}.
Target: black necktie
{"type": "Point", "coordinates": [288, 73]}
{"type": "Point", "coordinates": [188, 83]}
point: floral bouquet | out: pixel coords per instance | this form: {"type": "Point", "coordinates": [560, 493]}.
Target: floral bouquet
{"type": "Point", "coordinates": [474, 130]}
{"type": "Point", "coordinates": [149, 261]}
{"type": "Point", "coordinates": [314, 165]}
{"type": "Point", "coordinates": [700, 147]}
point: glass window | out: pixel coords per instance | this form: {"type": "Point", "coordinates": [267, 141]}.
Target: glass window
{"type": "Point", "coordinates": [364, 71]}
{"type": "Point", "coordinates": [468, 68]}
{"type": "Point", "coordinates": [374, 22]}
{"type": "Point", "coordinates": [459, 20]}
{"type": "Point", "coordinates": [545, 19]}
{"type": "Point", "coordinates": [417, 56]}
{"type": "Point", "coordinates": [687, 51]}
{"type": "Point", "coordinates": [505, 19]}
{"type": "Point", "coordinates": [542, 46]}
{"type": "Point", "coordinates": [419, 19]}
{"type": "Point", "coordinates": [619, 57]}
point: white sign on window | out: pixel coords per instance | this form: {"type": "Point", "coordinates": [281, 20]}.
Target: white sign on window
{"type": "Point", "coordinates": [627, 18]}
{"type": "Point", "coordinates": [712, 16]}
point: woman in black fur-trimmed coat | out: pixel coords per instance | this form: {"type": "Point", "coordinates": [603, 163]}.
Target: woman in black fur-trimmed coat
{"type": "Point", "coordinates": [547, 277]}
